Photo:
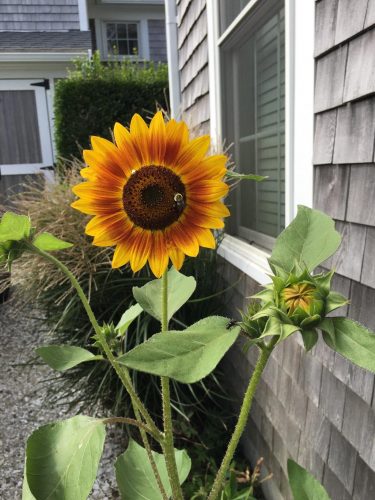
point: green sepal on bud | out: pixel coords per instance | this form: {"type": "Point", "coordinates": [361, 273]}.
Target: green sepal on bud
{"type": "Point", "coordinates": [112, 337]}
{"type": "Point", "coordinates": [298, 301]}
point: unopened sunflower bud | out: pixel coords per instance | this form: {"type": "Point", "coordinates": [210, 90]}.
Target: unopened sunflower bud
{"type": "Point", "coordinates": [302, 301]}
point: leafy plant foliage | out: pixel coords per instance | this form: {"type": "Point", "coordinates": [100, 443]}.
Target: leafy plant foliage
{"type": "Point", "coordinates": [96, 95]}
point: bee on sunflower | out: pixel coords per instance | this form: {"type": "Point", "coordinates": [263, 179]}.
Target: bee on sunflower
{"type": "Point", "coordinates": [154, 193]}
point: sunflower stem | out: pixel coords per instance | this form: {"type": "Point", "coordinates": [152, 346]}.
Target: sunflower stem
{"type": "Point", "coordinates": [168, 447]}
{"type": "Point", "coordinates": [242, 419]}
{"type": "Point", "coordinates": [121, 371]}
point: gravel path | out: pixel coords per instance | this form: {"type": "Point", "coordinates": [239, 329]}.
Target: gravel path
{"type": "Point", "coordinates": [22, 406]}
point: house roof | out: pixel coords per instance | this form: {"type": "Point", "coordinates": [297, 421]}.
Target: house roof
{"type": "Point", "coordinates": [45, 41]}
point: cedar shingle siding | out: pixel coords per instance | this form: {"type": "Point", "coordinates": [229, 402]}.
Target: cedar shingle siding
{"type": "Point", "coordinates": [314, 407]}
{"type": "Point", "coordinates": [193, 62]}
{"type": "Point", "coordinates": [39, 15]}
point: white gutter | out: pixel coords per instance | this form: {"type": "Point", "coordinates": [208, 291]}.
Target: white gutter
{"type": "Point", "coordinates": [172, 54]}
{"type": "Point", "coordinates": [83, 18]}
{"type": "Point", "coordinates": [40, 56]}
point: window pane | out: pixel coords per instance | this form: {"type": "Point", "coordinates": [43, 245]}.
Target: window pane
{"type": "Point", "coordinates": [112, 47]}
{"type": "Point", "coordinates": [122, 31]}
{"type": "Point", "coordinates": [132, 31]}
{"type": "Point", "coordinates": [111, 31]}
{"type": "Point", "coordinates": [254, 111]}
{"type": "Point", "coordinates": [229, 10]}
{"type": "Point", "coordinates": [133, 47]}
{"type": "Point", "coordinates": [123, 48]}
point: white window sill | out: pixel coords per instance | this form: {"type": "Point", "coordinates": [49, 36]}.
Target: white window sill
{"type": "Point", "coordinates": [249, 259]}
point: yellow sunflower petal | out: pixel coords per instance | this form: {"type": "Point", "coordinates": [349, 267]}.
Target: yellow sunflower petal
{"type": "Point", "coordinates": [157, 139]}
{"type": "Point", "coordinates": [205, 237]}
{"type": "Point", "coordinates": [140, 248]}
{"type": "Point", "coordinates": [107, 150]}
{"type": "Point", "coordinates": [141, 139]}
{"type": "Point", "coordinates": [207, 191]}
{"type": "Point", "coordinates": [183, 238]}
{"type": "Point", "coordinates": [214, 209]}
{"type": "Point", "coordinates": [159, 257]}
{"type": "Point", "coordinates": [94, 207]}
{"type": "Point", "coordinates": [192, 153]}
{"type": "Point", "coordinates": [177, 136]}
{"type": "Point", "coordinates": [177, 257]}
{"type": "Point", "coordinates": [103, 165]}
{"type": "Point", "coordinates": [121, 255]}
{"type": "Point", "coordinates": [92, 190]}
{"type": "Point", "coordinates": [109, 230]}
{"type": "Point", "coordinates": [211, 168]}
{"type": "Point", "coordinates": [125, 144]}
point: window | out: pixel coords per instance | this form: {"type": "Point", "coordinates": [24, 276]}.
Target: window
{"type": "Point", "coordinates": [261, 82]}
{"type": "Point", "coordinates": [122, 38]}
{"type": "Point", "coordinates": [253, 69]}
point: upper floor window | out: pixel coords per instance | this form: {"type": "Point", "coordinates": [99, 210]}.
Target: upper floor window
{"type": "Point", "coordinates": [253, 75]}
{"type": "Point", "coordinates": [122, 38]}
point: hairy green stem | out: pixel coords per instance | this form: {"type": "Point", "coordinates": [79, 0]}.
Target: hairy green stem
{"type": "Point", "coordinates": [168, 447]}
{"type": "Point", "coordinates": [242, 419]}
{"type": "Point", "coordinates": [121, 371]}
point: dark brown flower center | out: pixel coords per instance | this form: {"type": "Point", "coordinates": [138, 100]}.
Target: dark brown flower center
{"type": "Point", "coordinates": [154, 197]}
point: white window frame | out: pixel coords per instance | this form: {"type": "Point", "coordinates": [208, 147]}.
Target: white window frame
{"type": "Point", "coordinates": [143, 39]}
{"type": "Point", "coordinates": [299, 118]}
{"type": "Point", "coordinates": [44, 116]}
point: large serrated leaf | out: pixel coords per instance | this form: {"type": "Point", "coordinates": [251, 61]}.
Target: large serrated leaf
{"type": "Point", "coordinates": [180, 289]}
{"type": "Point", "coordinates": [49, 243]}
{"type": "Point", "coordinates": [63, 357]}
{"type": "Point", "coordinates": [304, 486]}
{"type": "Point", "coordinates": [186, 356]}
{"type": "Point", "coordinates": [307, 242]}
{"type": "Point", "coordinates": [350, 339]}
{"type": "Point", "coordinates": [62, 458]}
{"type": "Point", "coordinates": [14, 227]}
{"type": "Point", "coordinates": [135, 478]}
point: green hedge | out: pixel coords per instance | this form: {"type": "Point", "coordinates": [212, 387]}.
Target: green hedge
{"type": "Point", "coordinates": [96, 95]}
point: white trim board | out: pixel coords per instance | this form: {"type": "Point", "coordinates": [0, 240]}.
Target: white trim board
{"type": "Point", "coordinates": [299, 116]}
{"type": "Point", "coordinates": [251, 260]}
{"type": "Point", "coordinates": [40, 56]}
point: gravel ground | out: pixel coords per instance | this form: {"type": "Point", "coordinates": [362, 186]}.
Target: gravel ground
{"type": "Point", "coordinates": [23, 408]}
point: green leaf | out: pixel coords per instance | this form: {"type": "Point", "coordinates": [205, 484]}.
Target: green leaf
{"type": "Point", "coordinates": [275, 327]}
{"type": "Point", "coordinates": [62, 458]}
{"type": "Point", "coordinates": [186, 356]}
{"type": "Point", "coordinates": [127, 318]}
{"type": "Point", "coordinates": [180, 289]}
{"type": "Point", "coordinates": [63, 357]}
{"type": "Point", "coordinates": [307, 242]}
{"type": "Point", "coordinates": [245, 177]}
{"type": "Point", "coordinates": [350, 339]}
{"type": "Point", "coordinates": [50, 243]}
{"type": "Point", "coordinates": [135, 478]}
{"type": "Point", "coordinates": [26, 493]}
{"type": "Point", "coordinates": [14, 227]}
{"type": "Point", "coordinates": [310, 338]}
{"type": "Point", "coordinates": [334, 301]}
{"type": "Point", "coordinates": [304, 486]}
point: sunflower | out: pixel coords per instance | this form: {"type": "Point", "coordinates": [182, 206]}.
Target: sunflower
{"type": "Point", "coordinates": [154, 194]}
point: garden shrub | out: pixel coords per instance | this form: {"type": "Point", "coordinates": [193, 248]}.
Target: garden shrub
{"type": "Point", "coordinates": [96, 95]}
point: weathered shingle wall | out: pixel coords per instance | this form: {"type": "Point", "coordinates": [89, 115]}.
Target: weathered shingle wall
{"type": "Point", "coordinates": [344, 187]}
{"type": "Point", "coordinates": [315, 407]}
{"type": "Point", "coordinates": [193, 62]}
{"type": "Point", "coordinates": [39, 15]}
